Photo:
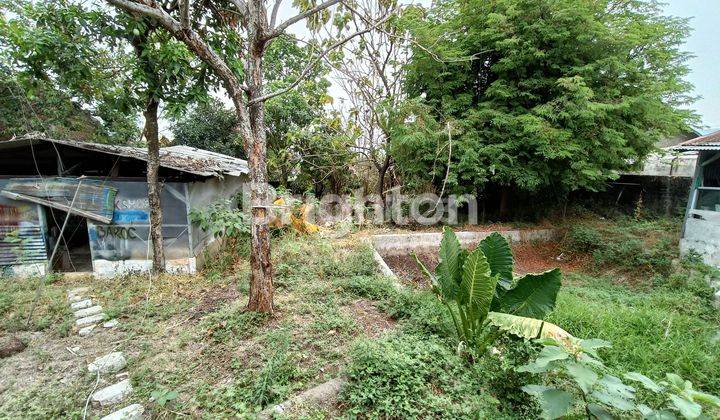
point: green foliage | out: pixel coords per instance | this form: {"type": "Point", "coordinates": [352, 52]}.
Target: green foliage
{"type": "Point", "coordinates": [210, 126]}
{"type": "Point", "coordinates": [409, 376]}
{"type": "Point", "coordinates": [222, 219]}
{"type": "Point", "coordinates": [271, 383]}
{"type": "Point", "coordinates": [584, 239]}
{"type": "Point", "coordinates": [654, 331]}
{"type": "Point", "coordinates": [467, 284]}
{"type": "Point", "coordinates": [578, 378]}
{"type": "Point", "coordinates": [541, 95]}
{"type": "Point", "coordinates": [162, 396]}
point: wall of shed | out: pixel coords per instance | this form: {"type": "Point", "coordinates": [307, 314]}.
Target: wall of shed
{"type": "Point", "coordinates": [124, 245]}
{"type": "Point", "coordinates": [22, 237]}
{"type": "Point", "coordinates": [200, 196]}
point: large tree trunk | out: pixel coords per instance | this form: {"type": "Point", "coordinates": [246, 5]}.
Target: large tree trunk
{"type": "Point", "coordinates": [382, 171]}
{"type": "Point", "coordinates": [261, 283]}
{"type": "Point", "coordinates": [153, 166]}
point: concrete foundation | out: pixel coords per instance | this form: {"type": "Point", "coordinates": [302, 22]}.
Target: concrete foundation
{"type": "Point", "coordinates": [405, 243]}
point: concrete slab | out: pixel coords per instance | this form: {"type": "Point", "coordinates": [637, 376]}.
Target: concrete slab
{"type": "Point", "coordinates": [131, 412]}
{"type": "Point", "coordinates": [93, 310]}
{"type": "Point", "coordinates": [112, 394]}
{"type": "Point", "coordinates": [81, 304]}
{"type": "Point", "coordinates": [85, 331]}
{"type": "Point", "coordinates": [111, 324]}
{"type": "Point", "coordinates": [112, 362]}
{"type": "Point", "coordinates": [93, 319]}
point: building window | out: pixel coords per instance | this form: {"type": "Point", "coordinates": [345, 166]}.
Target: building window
{"type": "Point", "coordinates": [708, 197]}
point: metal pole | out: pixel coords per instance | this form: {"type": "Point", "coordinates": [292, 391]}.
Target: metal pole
{"type": "Point", "coordinates": [48, 267]}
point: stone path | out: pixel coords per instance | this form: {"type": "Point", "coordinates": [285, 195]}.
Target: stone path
{"type": "Point", "coordinates": [88, 317]}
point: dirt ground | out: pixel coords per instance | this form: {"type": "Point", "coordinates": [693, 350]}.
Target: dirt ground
{"type": "Point", "coordinates": [530, 257]}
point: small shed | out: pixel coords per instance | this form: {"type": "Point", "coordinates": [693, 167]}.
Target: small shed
{"type": "Point", "coordinates": [701, 227]}
{"type": "Point", "coordinates": [104, 189]}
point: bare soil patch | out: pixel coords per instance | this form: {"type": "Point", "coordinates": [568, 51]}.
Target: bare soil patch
{"type": "Point", "coordinates": [370, 318]}
{"type": "Point", "coordinates": [530, 257]}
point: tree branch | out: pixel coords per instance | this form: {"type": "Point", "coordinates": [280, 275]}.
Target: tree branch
{"type": "Point", "coordinates": [241, 6]}
{"type": "Point", "coordinates": [295, 19]}
{"type": "Point", "coordinates": [185, 14]}
{"type": "Point", "coordinates": [273, 16]}
{"type": "Point", "coordinates": [189, 37]}
{"type": "Point", "coordinates": [317, 59]}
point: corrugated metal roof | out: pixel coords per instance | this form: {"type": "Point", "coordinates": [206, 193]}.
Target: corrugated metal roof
{"type": "Point", "coordinates": [181, 158]}
{"type": "Point", "coordinates": [707, 142]}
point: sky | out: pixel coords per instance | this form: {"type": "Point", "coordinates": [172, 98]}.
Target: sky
{"type": "Point", "coordinates": [704, 43]}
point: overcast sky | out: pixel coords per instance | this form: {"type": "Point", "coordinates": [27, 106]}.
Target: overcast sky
{"type": "Point", "coordinates": [704, 43]}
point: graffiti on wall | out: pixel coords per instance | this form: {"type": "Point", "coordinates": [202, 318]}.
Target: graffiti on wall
{"type": "Point", "coordinates": [127, 237]}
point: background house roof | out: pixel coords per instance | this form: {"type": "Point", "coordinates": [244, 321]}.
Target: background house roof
{"type": "Point", "coordinates": [181, 158]}
{"type": "Point", "coordinates": [707, 142]}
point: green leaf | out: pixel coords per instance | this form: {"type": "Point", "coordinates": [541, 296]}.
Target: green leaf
{"type": "Point", "coordinates": [477, 287]}
{"type": "Point", "coordinates": [529, 328]}
{"type": "Point", "coordinates": [555, 403]}
{"type": "Point", "coordinates": [449, 264]}
{"type": "Point", "coordinates": [686, 408]}
{"type": "Point", "coordinates": [543, 362]}
{"type": "Point", "coordinates": [534, 295]}
{"type": "Point", "coordinates": [499, 256]}
{"type": "Point", "coordinates": [600, 412]}
{"type": "Point", "coordinates": [704, 398]}
{"type": "Point", "coordinates": [644, 380]}
{"type": "Point", "coordinates": [448, 269]}
{"type": "Point", "coordinates": [582, 375]}
{"type": "Point", "coordinates": [613, 400]}
{"type": "Point", "coordinates": [591, 345]}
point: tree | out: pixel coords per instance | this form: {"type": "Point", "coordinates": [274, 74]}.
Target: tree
{"type": "Point", "coordinates": [55, 76]}
{"type": "Point", "coordinates": [255, 28]}
{"type": "Point", "coordinates": [210, 126]}
{"type": "Point", "coordinates": [555, 95]}
{"type": "Point", "coordinates": [370, 72]}
{"type": "Point", "coordinates": [111, 60]}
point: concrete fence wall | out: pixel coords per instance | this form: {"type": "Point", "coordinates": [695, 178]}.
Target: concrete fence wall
{"type": "Point", "coordinates": [402, 244]}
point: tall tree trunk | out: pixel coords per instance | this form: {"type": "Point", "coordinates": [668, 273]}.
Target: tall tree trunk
{"type": "Point", "coordinates": [382, 171]}
{"type": "Point", "coordinates": [261, 284]}
{"type": "Point", "coordinates": [153, 166]}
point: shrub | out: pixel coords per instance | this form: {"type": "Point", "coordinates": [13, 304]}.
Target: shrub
{"type": "Point", "coordinates": [584, 238]}
{"type": "Point", "coordinates": [577, 380]}
{"type": "Point", "coordinates": [408, 376]}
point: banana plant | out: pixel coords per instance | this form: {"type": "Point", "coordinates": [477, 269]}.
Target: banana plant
{"type": "Point", "coordinates": [484, 298]}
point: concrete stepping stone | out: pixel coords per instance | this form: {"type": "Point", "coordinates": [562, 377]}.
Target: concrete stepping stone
{"type": "Point", "coordinates": [93, 310]}
{"type": "Point", "coordinates": [111, 324]}
{"type": "Point", "coordinates": [131, 412]}
{"type": "Point", "coordinates": [81, 304]}
{"type": "Point", "coordinates": [112, 362]}
{"type": "Point", "coordinates": [85, 331]}
{"type": "Point", "coordinates": [94, 319]}
{"type": "Point", "coordinates": [112, 394]}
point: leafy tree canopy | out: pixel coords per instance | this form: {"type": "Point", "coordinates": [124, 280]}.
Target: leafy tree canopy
{"type": "Point", "coordinates": [543, 94]}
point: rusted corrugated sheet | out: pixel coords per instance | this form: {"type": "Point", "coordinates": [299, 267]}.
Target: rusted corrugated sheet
{"type": "Point", "coordinates": [21, 245]}
{"type": "Point", "coordinates": [181, 158]}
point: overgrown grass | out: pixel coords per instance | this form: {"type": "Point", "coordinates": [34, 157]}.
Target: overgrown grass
{"type": "Point", "coordinates": [653, 332]}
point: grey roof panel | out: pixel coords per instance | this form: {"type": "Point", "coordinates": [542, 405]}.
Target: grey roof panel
{"type": "Point", "coordinates": [181, 158]}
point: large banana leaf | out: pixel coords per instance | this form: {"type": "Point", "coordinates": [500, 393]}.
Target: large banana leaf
{"type": "Point", "coordinates": [450, 250]}
{"type": "Point", "coordinates": [497, 251]}
{"type": "Point", "coordinates": [533, 296]}
{"type": "Point", "coordinates": [478, 286]}
{"type": "Point", "coordinates": [529, 328]}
